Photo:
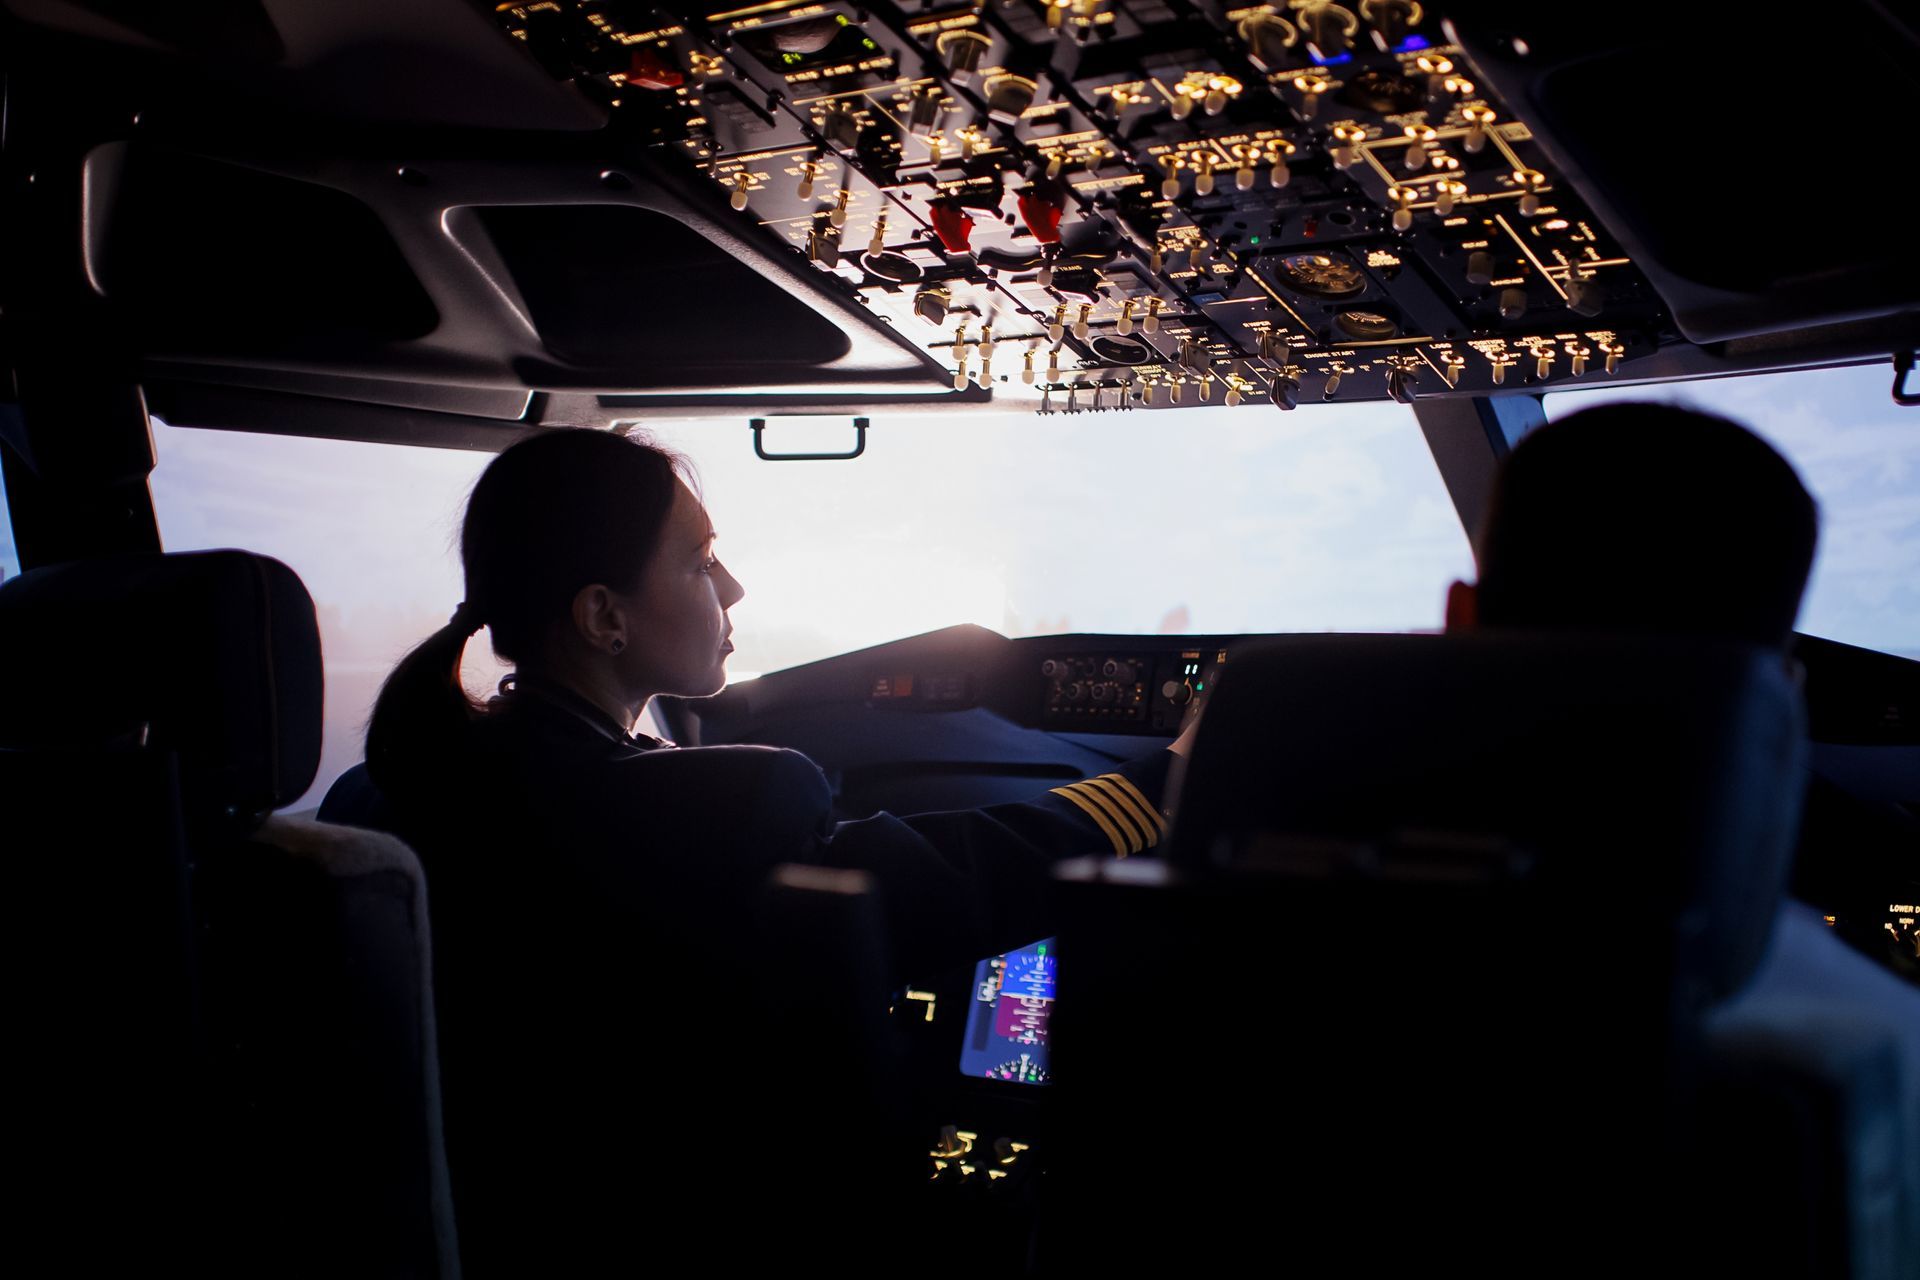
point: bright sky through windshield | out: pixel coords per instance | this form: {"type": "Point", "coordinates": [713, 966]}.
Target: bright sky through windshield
{"type": "Point", "coordinates": [1219, 520]}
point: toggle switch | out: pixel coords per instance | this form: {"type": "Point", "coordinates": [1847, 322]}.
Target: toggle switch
{"type": "Point", "coordinates": [1532, 182]}
{"type": "Point", "coordinates": [1347, 153]}
{"type": "Point", "coordinates": [1479, 119]}
{"type": "Point", "coordinates": [1402, 198]}
{"type": "Point", "coordinates": [1311, 89]}
{"type": "Point", "coordinates": [1420, 137]}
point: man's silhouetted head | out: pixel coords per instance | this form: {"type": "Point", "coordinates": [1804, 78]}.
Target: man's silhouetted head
{"type": "Point", "coordinates": [1643, 517]}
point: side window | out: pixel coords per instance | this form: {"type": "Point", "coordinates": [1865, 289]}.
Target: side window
{"type": "Point", "coordinates": [1859, 455]}
{"type": "Point", "coordinates": [373, 531]}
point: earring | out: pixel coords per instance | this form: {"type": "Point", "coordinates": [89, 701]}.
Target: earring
{"type": "Point", "coordinates": [618, 645]}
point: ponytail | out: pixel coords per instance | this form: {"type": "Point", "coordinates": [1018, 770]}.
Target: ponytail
{"type": "Point", "coordinates": [556, 512]}
{"type": "Point", "coordinates": [423, 717]}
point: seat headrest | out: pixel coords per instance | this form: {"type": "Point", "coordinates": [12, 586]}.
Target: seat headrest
{"type": "Point", "coordinates": [1663, 772]}
{"type": "Point", "coordinates": [212, 654]}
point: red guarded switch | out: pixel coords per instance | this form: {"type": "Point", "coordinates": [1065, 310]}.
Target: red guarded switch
{"type": "Point", "coordinates": [649, 70]}
{"type": "Point", "coordinates": [952, 225]}
{"type": "Point", "coordinates": [1042, 217]}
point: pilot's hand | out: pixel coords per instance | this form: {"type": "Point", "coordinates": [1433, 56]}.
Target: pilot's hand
{"type": "Point", "coordinates": [1182, 746]}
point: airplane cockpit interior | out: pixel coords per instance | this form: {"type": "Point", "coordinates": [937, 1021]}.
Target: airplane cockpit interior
{"type": "Point", "coordinates": [1066, 381]}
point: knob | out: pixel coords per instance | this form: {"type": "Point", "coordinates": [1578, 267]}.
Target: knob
{"type": "Point", "coordinates": [1103, 692]}
{"type": "Point", "coordinates": [1076, 692]}
{"type": "Point", "coordinates": [1286, 392]}
{"type": "Point", "coordinates": [1480, 267]}
{"type": "Point", "coordinates": [1400, 385]}
{"type": "Point", "coordinates": [931, 304]}
{"type": "Point", "coordinates": [1178, 692]}
{"type": "Point", "coordinates": [1114, 669]}
{"type": "Point", "coordinates": [1056, 668]}
{"type": "Point", "coordinates": [1513, 303]}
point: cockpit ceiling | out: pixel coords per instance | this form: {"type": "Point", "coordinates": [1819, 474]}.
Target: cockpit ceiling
{"type": "Point", "coordinates": [571, 210]}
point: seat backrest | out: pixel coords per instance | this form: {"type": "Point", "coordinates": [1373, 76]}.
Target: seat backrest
{"type": "Point", "coordinates": [1438, 923]}
{"type": "Point", "coordinates": [316, 956]}
{"type": "Point", "coordinates": [160, 708]}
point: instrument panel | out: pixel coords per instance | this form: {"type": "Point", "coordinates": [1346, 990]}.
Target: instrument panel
{"type": "Point", "coordinates": [1097, 205]}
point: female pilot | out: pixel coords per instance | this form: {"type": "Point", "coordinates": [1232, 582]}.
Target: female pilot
{"type": "Point", "coordinates": [591, 889]}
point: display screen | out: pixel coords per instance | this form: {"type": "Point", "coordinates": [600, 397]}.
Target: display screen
{"type": "Point", "coordinates": [1007, 1018]}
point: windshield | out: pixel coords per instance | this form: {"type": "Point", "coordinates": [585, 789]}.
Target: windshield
{"type": "Point", "coordinates": [1859, 455]}
{"type": "Point", "coordinates": [1223, 520]}
{"type": "Point", "coordinates": [1220, 520]}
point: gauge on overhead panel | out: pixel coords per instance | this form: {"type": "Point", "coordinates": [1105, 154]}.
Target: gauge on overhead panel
{"type": "Point", "coordinates": [1322, 276]}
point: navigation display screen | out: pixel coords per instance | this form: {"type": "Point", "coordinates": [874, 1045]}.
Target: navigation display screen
{"type": "Point", "coordinates": [1007, 1019]}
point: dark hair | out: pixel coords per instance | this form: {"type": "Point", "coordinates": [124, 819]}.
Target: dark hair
{"type": "Point", "coordinates": [553, 513]}
{"type": "Point", "coordinates": [1647, 517]}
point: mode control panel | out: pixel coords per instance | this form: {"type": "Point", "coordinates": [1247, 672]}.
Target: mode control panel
{"type": "Point", "coordinates": [1126, 691]}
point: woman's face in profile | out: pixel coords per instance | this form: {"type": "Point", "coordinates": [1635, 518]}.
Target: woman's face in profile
{"type": "Point", "coordinates": [682, 644]}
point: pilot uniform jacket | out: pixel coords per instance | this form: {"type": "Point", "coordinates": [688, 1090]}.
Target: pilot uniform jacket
{"type": "Point", "coordinates": [593, 898]}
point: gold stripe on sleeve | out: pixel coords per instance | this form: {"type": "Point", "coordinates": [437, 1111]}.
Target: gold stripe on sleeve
{"type": "Point", "coordinates": [1125, 784]}
{"type": "Point", "coordinates": [1093, 811]}
{"type": "Point", "coordinates": [1139, 836]}
{"type": "Point", "coordinates": [1129, 802]}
